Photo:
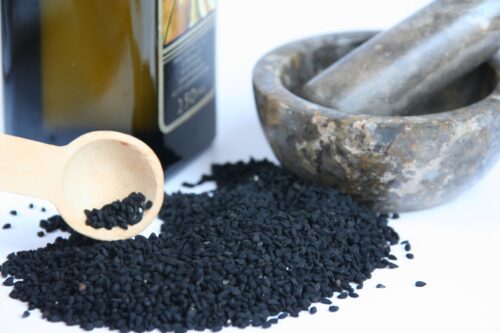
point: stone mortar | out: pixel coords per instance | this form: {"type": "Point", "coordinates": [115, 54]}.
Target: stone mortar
{"type": "Point", "coordinates": [393, 163]}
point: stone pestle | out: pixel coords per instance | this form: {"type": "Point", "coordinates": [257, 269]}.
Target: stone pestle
{"type": "Point", "coordinates": [397, 69]}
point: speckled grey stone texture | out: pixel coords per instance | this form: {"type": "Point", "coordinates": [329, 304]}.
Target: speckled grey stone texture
{"type": "Point", "coordinates": [393, 163]}
{"type": "Point", "coordinates": [401, 66]}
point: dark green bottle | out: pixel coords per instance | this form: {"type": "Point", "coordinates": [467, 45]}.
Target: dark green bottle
{"type": "Point", "coordinates": [143, 67]}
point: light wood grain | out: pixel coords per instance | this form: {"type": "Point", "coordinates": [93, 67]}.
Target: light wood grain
{"type": "Point", "coordinates": [92, 171]}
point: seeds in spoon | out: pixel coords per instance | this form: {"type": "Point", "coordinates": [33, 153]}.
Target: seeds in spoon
{"type": "Point", "coordinates": [121, 213]}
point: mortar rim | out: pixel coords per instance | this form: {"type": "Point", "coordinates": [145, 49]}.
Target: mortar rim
{"type": "Point", "coordinates": [267, 78]}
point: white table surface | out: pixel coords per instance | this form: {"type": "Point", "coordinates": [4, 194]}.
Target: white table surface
{"type": "Point", "coordinates": [456, 246]}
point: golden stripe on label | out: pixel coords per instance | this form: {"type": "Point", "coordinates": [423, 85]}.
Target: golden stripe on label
{"type": "Point", "coordinates": [205, 24]}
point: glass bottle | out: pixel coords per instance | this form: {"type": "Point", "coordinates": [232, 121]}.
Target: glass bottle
{"type": "Point", "coordinates": [143, 67]}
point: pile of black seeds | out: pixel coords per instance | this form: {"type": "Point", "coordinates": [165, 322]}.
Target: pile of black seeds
{"type": "Point", "coordinates": [54, 223]}
{"type": "Point", "coordinates": [121, 213]}
{"type": "Point", "coordinates": [262, 246]}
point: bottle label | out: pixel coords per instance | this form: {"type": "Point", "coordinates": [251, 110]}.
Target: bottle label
{"type": "Point", "coordinates": [187, 60]}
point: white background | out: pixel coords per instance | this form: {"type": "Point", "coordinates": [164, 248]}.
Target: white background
{"type": "Point", "coordinates": [456, 246]}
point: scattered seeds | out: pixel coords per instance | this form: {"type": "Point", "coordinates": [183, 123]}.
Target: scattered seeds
{"type": "Point", "coordinates": [7, 226]}
{"type": "Point", "coordinates": [31, 206]}
{"type": "Point", "coordinates": [420, 284]}
{"type": "Point", "coordinates": [326, 301]}
{"type": "Point", "coordinates": [40, 234]}
{"type": "Point", "coordinates": [43, 210]}
{"type": "Point", "coordinates": [26, 314]}
{"type": "Point", "coordinates": [313, 310]}
{"type": "Point", "coordinates": [121, 213]}
{"type": "Point", "coordinates": [13, 212]}
{"type": "Point", "coordinates": [380, 286]}
{"type": "Point", "coordinates": [410, 256]}
{"type": "Point", "coordinates": [407, 247]}
{"type": "Point", "coordinates": [281, 243]}
{"type": "Point", "coordinates": [333, 308]}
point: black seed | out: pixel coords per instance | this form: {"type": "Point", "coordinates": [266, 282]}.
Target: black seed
{"type": "Point", "coordinates": [267, 324]}
{"type": "Point", "coordinates": [395, 216]}
{"type": "Point", "coordinates": [353, 295]}
{"type": "Point", "coordinates": [236, 256]}
{"type": "Point", "coordinates": [9, 282]}
{"type": "Point", "coordinates": [410, 256]}
{"type": "Point", "coordinates": [380, 286]}
{"type": "Point", "coordinates": [359, 286]}
{"type": "Point", "coordinates": [283, 316]}
{"type": "Point", "coordinates": [392, 265]}
{"type": "Point", "coordinates": [420, 284]}
{"type": "Point", "coordinates": [407, 247]}
{"type": "Point", "coordinates": [31, 206]}
{"type": "Point", "coordinates": [26, 314]}
{"type": "Point", "coordinates": [342, 295]}
{"type": "Point", "coordinates": [326, 301]}
{"type": "Point", "coordinates": [333, 308]}
{"type": "Point", "coordinates": [43, 209]}
{"type": "Point", "coordinates": [313, 310]}
{"type": "Point", "coordinates": [6, 226]}
{"type": "Point", "coordinates": [40, 234]}
{"type": "Point", "coordinates": [54, 223]}
{"type": "Point", "coordinates": [392, 257]}
{"type": "Point", "coordinates": [13, 212]}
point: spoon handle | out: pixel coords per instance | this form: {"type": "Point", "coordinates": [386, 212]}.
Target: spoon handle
{"type": "Point", "coordinates": [30, 168]}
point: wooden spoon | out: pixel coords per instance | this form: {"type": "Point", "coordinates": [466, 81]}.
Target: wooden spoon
{"type": "Point", "coordinates": [90, 172]}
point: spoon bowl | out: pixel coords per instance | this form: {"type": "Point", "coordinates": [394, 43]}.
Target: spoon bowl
{"type": "Point", "coordinates": [104, 167]}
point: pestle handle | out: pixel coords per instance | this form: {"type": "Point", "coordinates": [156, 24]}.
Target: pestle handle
{"type": "Point", "coordinates": [30, 168]}
{"type": "Point", "coordinates": [399, 68]}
